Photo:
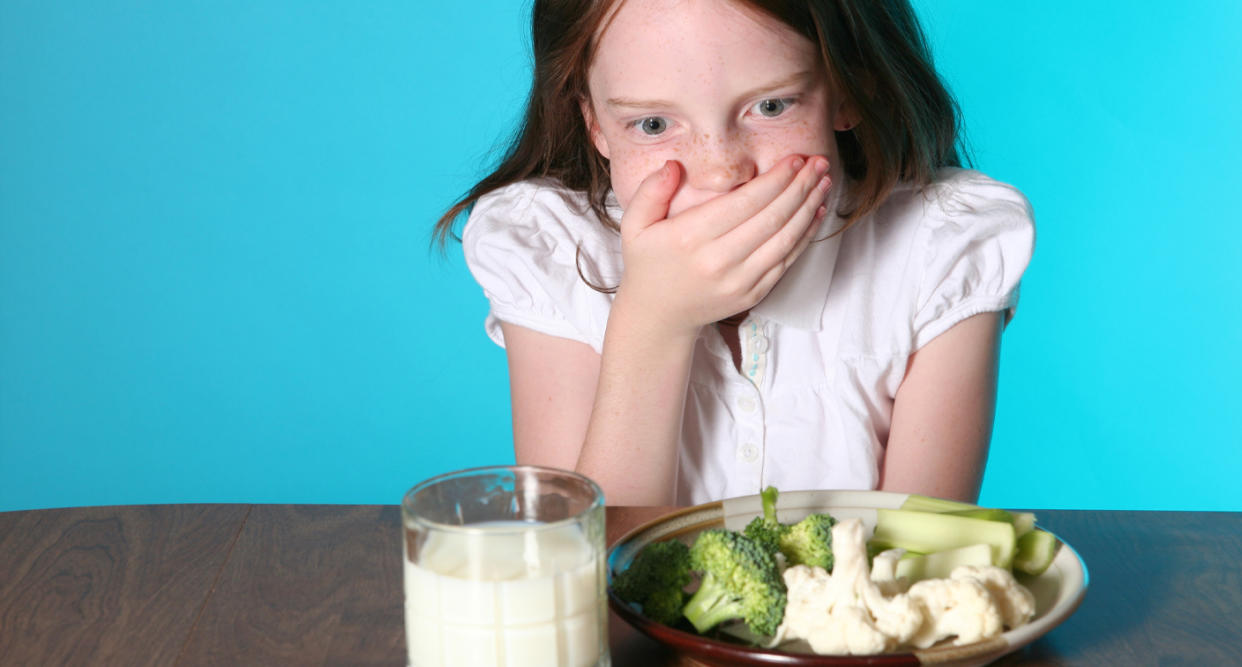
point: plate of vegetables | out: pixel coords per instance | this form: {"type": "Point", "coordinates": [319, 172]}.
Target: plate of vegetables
{"type": "Point", "coordinates": [814, 578]}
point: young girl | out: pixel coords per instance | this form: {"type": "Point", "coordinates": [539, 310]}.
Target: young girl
{"type": "Point", "coordinates": [732, 246]}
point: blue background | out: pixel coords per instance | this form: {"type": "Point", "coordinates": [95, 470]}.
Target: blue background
{"type": "Point", "coordinates": [216, 283]}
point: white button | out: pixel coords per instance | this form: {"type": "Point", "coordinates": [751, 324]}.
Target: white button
{"type": "Point", "coordinates": [749, 452]}
{"type": "Point", "coordinates": [746, 403]}
{"type": "Point", "coordinates": [760, 343]}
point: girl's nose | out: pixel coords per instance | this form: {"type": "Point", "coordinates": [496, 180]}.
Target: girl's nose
{"type": "Point", "coordinates": [719, 166]}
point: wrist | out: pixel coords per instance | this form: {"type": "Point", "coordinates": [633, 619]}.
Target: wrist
{"type": "Point", "coordinates": [636, 318]}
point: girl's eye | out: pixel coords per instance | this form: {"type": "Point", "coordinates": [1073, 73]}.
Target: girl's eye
{"type": "Point", "coordinates": [772, 107]}
{"type": "Point", "coordinates": [653, 125]}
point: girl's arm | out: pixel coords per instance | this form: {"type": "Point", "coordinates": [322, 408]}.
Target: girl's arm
{"type": "Point", "coordinates": [617, 416]}
{"type": "Point", "coordinates": [942, 416]}
{"type": "Point", "coordinates": [629, 401]}
{"type": "Point", "coordinates": [552, 385]}
{"type": "Point", "coordinates": [636, 420]}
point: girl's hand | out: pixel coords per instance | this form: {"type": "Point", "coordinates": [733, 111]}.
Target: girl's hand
{"type": "Point", "coordinates": [720, 257]}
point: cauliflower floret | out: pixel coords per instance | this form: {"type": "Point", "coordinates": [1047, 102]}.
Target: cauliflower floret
{"type": "Point", "coordinates": [824, 610]}
{"type": "Point", "coordinates": [961, 607]}
{"type": "Point", "coordinates": [862, 611]}
{"type": "Point", "coordinates": [846, 612]}
{"type": "Point", "coordinates": [884, 572]}
{"type": "Point", "coordinates": [897, 616]}
{"type": "Point", "coordinates": [1017, 604]}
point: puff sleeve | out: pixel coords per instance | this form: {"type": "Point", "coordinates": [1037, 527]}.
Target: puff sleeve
{"type": "Point", "coordinates": [532, 246]}
{"type": "Point", "coordinates": [978, 237]}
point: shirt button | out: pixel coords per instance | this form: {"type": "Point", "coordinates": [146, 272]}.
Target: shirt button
{"type": "Point", "coordinates": [746, 403]}
{"type": "Point", "coordinates": [749, 452]}
{"type": "Point", "coordinates": [760, 344]}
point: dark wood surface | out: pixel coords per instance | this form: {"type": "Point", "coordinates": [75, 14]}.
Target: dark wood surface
{"type": "Point", "coordinates": [321, 585]}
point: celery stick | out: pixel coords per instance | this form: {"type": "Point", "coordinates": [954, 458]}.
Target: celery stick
{"type": "Point", "coordinates": [920, 503]}
{"type": "Point", "coordinates": [983, 513]}
{"type": "Point", "coordinates": [924, 532]}
{"type": "Point", "coordinates": [1023, 523]}
{"type": "Point", "coordinates": [1035, 551]}
{"type": "Point", "coordinates": [940, 565]}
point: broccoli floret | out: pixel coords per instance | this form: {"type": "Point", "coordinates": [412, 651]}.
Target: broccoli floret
{"type": "Point", "coordinates": [656, 579]}
{"type": "Point", "coordinates": [738, 580]}
{"type": "Point", "coordinates": [809, 542]}
{"type": "Point", "coordinates": [766, 530]}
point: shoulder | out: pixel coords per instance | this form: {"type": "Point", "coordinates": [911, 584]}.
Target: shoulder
{"type": "Point", "coordinates": [932, 255]}
{"type": "Point", "coordinates": [540, 210]}
{"type": "Point", "coordinates": [539, 227]}
{"type": "Point", "coordinates": [956, 197]}
{"type": "Point", "coordinates": [959, 217]}
{"type": "Point", "coordinates": [542, 257]}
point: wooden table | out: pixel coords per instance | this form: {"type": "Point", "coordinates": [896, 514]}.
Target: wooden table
{"type": "Point", "coordinates": [321, 585]}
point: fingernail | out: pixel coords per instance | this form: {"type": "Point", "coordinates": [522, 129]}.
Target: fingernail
{"type": "Point", "coordinates": [821, 166]}
{"type": "Point", "coordinates": [797, 163]}
{"type": "Point", "coordinates": [820, 213]}
{"type": "Point", "coordinates": [824, 183]}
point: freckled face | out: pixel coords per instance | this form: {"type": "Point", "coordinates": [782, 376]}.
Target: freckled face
{"type": "Point", "coordinates": [721, 89]}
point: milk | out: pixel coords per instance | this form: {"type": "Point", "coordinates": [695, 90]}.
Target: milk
{"type": "Point", "coordinates": [509, 596]}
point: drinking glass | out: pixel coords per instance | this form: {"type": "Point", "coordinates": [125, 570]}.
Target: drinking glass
{"type": "Point", "coordinates": [504, 567]}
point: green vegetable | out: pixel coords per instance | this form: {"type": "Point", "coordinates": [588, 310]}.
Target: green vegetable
{"type": "Point", "coordinates": [983, 513]}
{"type": "Point", "coordinates": [920, 503]}
{"type": "Point", "coordinates": [656, 579]}
{"type": "Point", "coordinates": [940, 565]}
{"type": "Point", "coordinates": [1023, 522]}
{"type": "Point", "coordinates": [739, 580]}
{"type": "Point", "coordinates": [925, 532]}
{"type": "Point", "coordinates": [809, 542]}
{"type": "Point", "coordinates": [1035, 551]}
{"type": "Point", "coordinates": [766, 530]}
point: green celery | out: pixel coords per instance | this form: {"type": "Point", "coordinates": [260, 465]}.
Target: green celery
{"type": "Point", "coordinates": [925, 532]}
{"type": "Point", "coordinates": [1035, 551]}
{"type": "Point", "coordinates": [940, 565]}
{"type": "Point", "coordinates": [987, 513]}
{"type": "Point", "coordinates": [1023, 522]}
{"type": "Point", "coordinates": [919, 503]}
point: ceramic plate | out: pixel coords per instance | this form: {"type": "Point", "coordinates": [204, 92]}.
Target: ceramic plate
{"type": "Point", "coordinates": [1058, 591]}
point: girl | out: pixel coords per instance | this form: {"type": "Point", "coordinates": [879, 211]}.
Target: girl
{"type": "Point", "coordinates": [732, 246]}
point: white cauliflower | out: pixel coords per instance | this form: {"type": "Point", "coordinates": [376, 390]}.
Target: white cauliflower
{"type": "Point", "coordinates": [823, 610]}
{"type": "Point", "coordinates": [861, 610]}
{"type": "Point", "coordinates": [845, 612]}
{"type": "Point", "coordinates": [884, 572]}
{"type": "Point", "coordinates": [961, 607]}
{"type": "Point", "coordinates": [1017, 604]}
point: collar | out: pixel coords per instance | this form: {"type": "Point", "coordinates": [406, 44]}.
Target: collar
{"type": "Point", "coordinates": [798, 300]}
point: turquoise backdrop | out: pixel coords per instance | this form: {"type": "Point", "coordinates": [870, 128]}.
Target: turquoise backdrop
{"type": "Point", "coordinates": [216, 283]}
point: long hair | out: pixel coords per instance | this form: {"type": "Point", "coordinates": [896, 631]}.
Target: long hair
{"type": "Point", "coordinates": [875, 53]}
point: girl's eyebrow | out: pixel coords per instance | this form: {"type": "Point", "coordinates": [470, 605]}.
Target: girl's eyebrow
{"type": "Point", "coordinates": [631, 103]}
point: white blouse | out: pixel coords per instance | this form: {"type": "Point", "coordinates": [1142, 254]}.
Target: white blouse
{"type": "Point", "coordinates": [823, 354]}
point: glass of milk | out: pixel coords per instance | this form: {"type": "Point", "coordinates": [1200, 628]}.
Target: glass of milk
{"type": "Point", "coordinates": [504, 567]}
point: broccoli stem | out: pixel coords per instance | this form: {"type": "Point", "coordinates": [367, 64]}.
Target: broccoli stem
{"type": "Point", "coordinates": [768, 497]}
{"type": "Point", "coordinates": [710, 605]}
